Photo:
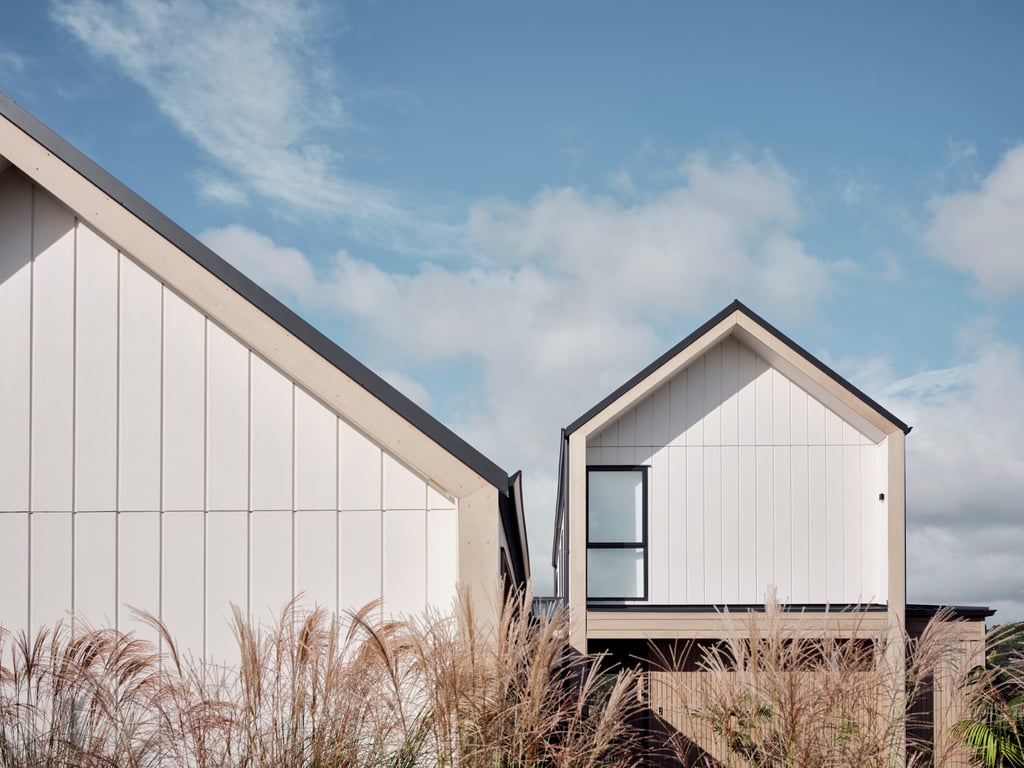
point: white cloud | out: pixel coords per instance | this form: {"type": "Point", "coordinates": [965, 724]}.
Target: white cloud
{"type": "Point", "coordinates": [248, 81]}
{"type": "Point", "coordinates": [221, 190]}
{"type": "Point", "coordinates": [965, 474]}
{"type": "Point", "coordinates": [408, 386]}
{"type": "Point", "coordinates": [981, 231]}
{"type": "Point", "coordinates": [12, 63]}
{"type": "Point", "coordinates": [564, 298]}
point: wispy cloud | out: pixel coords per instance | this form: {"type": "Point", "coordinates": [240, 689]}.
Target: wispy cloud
{"type": "Point", "coordinates": [249, 82]}
{"type": "Point", "coordinates": [12, 63]}
{"type": "Point", "coordinates": [981, 230]}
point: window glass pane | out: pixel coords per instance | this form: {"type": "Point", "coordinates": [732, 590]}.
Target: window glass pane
{"type": "Point", "coordinates": [616, 506]}
{"type": "Point", "coordinates": [615, 573]}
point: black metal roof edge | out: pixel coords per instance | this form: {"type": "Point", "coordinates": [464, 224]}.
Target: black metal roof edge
{"type": "Point", "coordinates": [737, 608]}
{"type": "Point", "coordinates": [927, 610]}
{"type": "Point", "coordinates": [514, 522]}
{"type": "Point", "coordinates": [559, 497]}
{"type": "Point", "coordinates": [736, 305]}
{"type": "Point", "coordinates": [257, 296]}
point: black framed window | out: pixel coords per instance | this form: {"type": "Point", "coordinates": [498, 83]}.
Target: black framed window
{"type": "Point", "coordinates": [617, 533]}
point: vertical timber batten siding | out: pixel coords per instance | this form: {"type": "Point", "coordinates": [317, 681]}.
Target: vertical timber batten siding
{"type": "Point", "coordinates": [149, 459]}
{"type": "Point", "coordinates": [753, 483]}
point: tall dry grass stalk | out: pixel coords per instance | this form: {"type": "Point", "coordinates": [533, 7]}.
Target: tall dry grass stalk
{"type": "Point", "coordinates": [772, 694]}
{"type": "Point", "coordinates": [316, 689]}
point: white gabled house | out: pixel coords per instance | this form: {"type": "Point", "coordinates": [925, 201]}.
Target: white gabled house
{"type": "Point", "coordinates": [734, 464]}
{"type": "Point", "coordinates": [174, 439]}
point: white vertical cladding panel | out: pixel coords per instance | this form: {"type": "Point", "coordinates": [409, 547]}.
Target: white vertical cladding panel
{"type": "Point", "coordinates": [405, 561]}
{"type": "Point", "coordinates": [227, 580]}
{"type": "Point", "coordinates": [138, 570]}
{"type": "Point", "coordinates": [96, 568]}
{"type": "Point", "coordinates": [360, 563]}
{"type": "Point", "coordinates": [14, 554]}
{"type": "Point", "coordinates": [359, 470]}
{"type": "Point", "coordinates": [746, 366]}
{"type": "Point", "coordinates": [713, 554]}
{"type": "Point", "coordinates": [184, 418]}
{"type": "Point", "coordinates": [696, 554]}
{"type": "Point", "coordinates": [781, 418]}
{"type": "Point", "coordinates": [53, 354]}
{"type": "Point", "coordinates": [833, 428]}
{"type": "Point", "coordinates": [730, 524]}
{"type": "Point", "coordinates": [442, 555]}
{"type": "Point", "coordinates": [677, 530]}
{"type": "Point", "coordinates": [695, 383]}
{"type": "Point", "coordinates": [872, 551]}
{"type": "Point", "coordinates": [625, 429]}
{"type": "Point", "coordinates": [316, 557]}
{"type": "Point", "coordinates": [644, 422]}
{"type": "Point", "coordinates": [782, 510]}
{"type": "Point", "coordinates": [714, 395]}
{"type": "Point", "coordinates": [799, 491]}
{"type": "Point", "coordinates": [271, 582]}
{"type": "Point", "coordinates": [730, 392]}
{"type": "Point", "coordinates": [227, 421]}
{"type": "Point", "coordinates": [96, 267]}
{"type": "Point", "coordinates": [658, 527]}
{"type": "Point", "coordinates": [853, 492]}
{"type": "Point", "coordinates": [316, 455]}
{"type": "Point", "coordinates": [797, 416]}
{"type": "Point", "coordinates": [271, 438]}
{"type": "Point", "coordinates": [183, 576]}
{"type": "Point", "coordinates": [817, 524]}
{"type": "Point", "coordinates": [835, 569]}
{"type": "Point", "coordinates": [748, 517]}
{"type": "Point", "coordinates": [815, 422]}
{"type": "Point", "coordinates": [15, 352]}
{"type": "Point", "coordinates": [594, 454]}
{"type": "Point", "coordinates": [764, 414]}
{"type": "Point", "coordinates": [139, 385]}
{"type": "Point", "coordinates": [661, 415]}
{"type": "Point", "coordinates": [764, 494]}
{"type": "Point", "coordinates": [677, 408]}
{"type": "Point", "coordinates": [51, 592]}
{"type": "Point", "coordinates": [881, 539]}
{"type": "Point", "coordinates": [403, 488]}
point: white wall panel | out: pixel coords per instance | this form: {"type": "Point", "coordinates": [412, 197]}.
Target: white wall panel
{"type": "Point", "coordinates": [183, 582]}
{"type": "Point", "coordinates": [272, 441]}
{"type": "Point", "coordinates": [227, 579]}
{"type": "Point", "coordinates": [316, 557]}
{"type": "Point", "coordinates": [817, 523]}
{"type": "Point", "coordinates": [96, 355]}
{"type": "Point", "coordinates": [727, 524]}
{"type": "Point", "coordinates": [403, 489]}
{"type": "Point", "coordinates": [270, 563]}
{"type": "Point", "coordinates": [227, 421]}
{"type": "Point", "coordinates": [405, 563]}
{"type": "Point", "coordinates": [799, 490]}
{"type": "Point", "coordinates": [360, 562]}
{"type": "Point", "coordinates": [730, 525]}
{"type": "Point", "coordinates": [853, 491]}
{"type": "Point", "coordinates": [749, 589]}
{"type": "Point", "coordinates": [14, 554]}
{"type": "Point", "coordinates": [139, 389]}
{"type": "Point", "coordinates": [138, 569]}
{"type": "Point", "coordinates": [359, 470]}
{"type": "Point", "coordinates": [316, 455]}
{"type": "Point", "coordinates": [184, 398]}
{"type": "Point", "coordinates": [438, 500]}
{"type": "Point", "coordinates": [96, 568]}
{"type": "Point", "coordinates": [677, 526]}
{"type": "Point", "coordinates": [15, 350]}
{"type": "Point", "coordinates": [783, 513]}
{"type": "Point", "coordinates": [442, 557]}
{"type": "Point", "coordinates": [51, 590]}
{"type": "Point", "coordinates": [696, 546]}
{"type": "Point", "coordinates": [53, 355]}
{"type": "Point", "coordinates": [659, 528]}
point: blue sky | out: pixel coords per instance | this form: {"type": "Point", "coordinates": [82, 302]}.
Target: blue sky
{"type": "Point", "coordinates": [508, 210]}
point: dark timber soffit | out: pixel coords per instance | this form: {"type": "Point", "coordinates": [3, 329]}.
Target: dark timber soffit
{"type": "Point", "coordinates": [735, 306]}
{"type": "Point", "coordinates": [241, 284]}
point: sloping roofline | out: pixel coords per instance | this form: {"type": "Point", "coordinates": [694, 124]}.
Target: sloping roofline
{"type": "Point", "coordinates": [245, 287]}
{"type": "Point", "coordinates": [735, 306]}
